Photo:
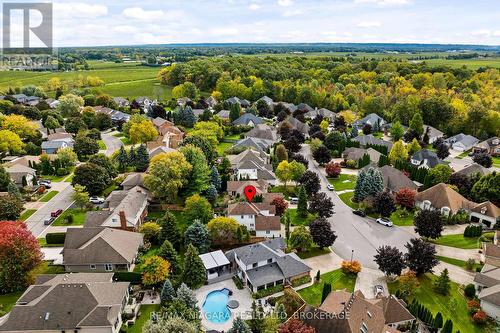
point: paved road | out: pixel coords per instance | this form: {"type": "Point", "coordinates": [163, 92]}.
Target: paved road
{"type": "Point", "coordinates": [61, 201]}
{"type": "Point", "coordinates": [112, 143]}
{"type": "Point", "coordinates": [361, 235]}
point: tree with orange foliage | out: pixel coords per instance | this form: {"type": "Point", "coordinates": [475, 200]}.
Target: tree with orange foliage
{"type": "Point", "coordinates": [295, 326]}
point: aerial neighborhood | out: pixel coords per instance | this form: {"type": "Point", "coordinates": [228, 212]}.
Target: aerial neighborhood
{"type": "Point", "coordinates": [365, 202]}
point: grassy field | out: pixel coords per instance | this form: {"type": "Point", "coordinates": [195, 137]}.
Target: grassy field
{"type": "Point", "coordinates": [452, 306]}
{"type": "Point", "coordinates": [102, 145]}
{"type": "Point", "coordinates": [48, 196]}
{"type": "Point", "coordinates": [24, 216]}
{"type": "Point", "coordinates": [459, 241]}
{"type": "Point", "coordinates": [458, 262]}
{"type": "Point", "coordinates": [339, 280]}
{"type": "Point", "coordinates": [298, 220]}
{"type": "Point", "coordinates": [78, 217]}
{"type": "Point", "coordinates": [314, 252]}
{"type": "Point", "coordinates": [145, 312]}
{"type": "Point", "coordinates": [346, 198]}
{"type": "Point", "coordinates": [343, 182]}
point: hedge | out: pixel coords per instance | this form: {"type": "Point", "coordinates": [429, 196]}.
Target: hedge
{"type": "Point", "coordinates": [132, 277]}
{"type": "Point", "coordinates": [301, 281]}
{"type": "Point", "coordinates": [55, 238]}
{"type": "Point", "coordinates": [268, 291]}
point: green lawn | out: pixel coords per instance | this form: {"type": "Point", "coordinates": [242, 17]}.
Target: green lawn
{"type": "Point", "coordinates": [459, 241]}
{"type": "Point", "coordinates": [314, 252]}
{"type": "Point", "coordinates": [24, 216]}
{"type": "Point", "coordinates": [402, 217]}
{"type": "Point", "coordinates": [298, 220]}
{"type": "Point", "coordinates": [43, 243]}
{"type": "Point", "coordinates": [109, 189]}
{"type": "Point", "coordinates": [69, 178]}
{"type": "Point", "coordinates": [496, 161]}
{"type": "Point", "coordinates": [464, 154]}
{"type": "Point", "coordinates": [339, 280]}
{"type": "Point", "coordinates": [7, 301]}
{"type": "Point", "coordinates": [343, 182]}
{"type": "Point", "coordinates": [458, 262]}
{"type": "Point", "coordinates": [378, 135]}
{"type": "Point", "coordinates": [102, 145]}
{"type": "Point", "coordinates": [223, 146]}
{"type": "Point", "coordinates": [452, 306]}
{"type": "Point", "coordinates": [181, 221]}
{"type": "Point", "coordinates": [119, 135]}
{"type": "Point", "coordinates": [141, 321]}
{"type": "Point", "coordinates": [290, 191]}
{"type": "Point", "coordinates": [233, 137]}
{"type": "Point", "coordinates": [346, 198]}
{"type": "Point", "coordinates": [78, 217]}
{"type": "Point", "coordinates": [54, 178]}
{"type": "Point", "coordinates": [48, 196]}
{"type": "Point", "coordinates": [126, 141]}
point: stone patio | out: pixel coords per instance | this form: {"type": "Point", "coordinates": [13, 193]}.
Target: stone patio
{"type": "Point", "coordinates": [243, 297]}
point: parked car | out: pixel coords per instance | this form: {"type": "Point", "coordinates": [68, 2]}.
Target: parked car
{"type": "Point", "coordinates": [294, 201]}
{"type": "Point", "coordinates": [96, 200]}
{"type": "Point", "coordinates": [359, 212]}
{"type": "Point", "coordinates": [49, 220]}
{"type": "Point", "coordinates": [330, 187]}
{"type": "Point", "coordinates": [378, 290]}
{"type": "Point", "coordinates": [385, 221]}
{"type": "Point", "coordinates": [45, 184]}
{"type": "Point", "coordinates": [56, 213]}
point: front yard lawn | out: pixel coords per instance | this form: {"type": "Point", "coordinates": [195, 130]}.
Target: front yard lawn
{"type": "Point", "coordinates": [223, 146]}
{"type": "Point", "coordinates": [459, 241]}
{"type": "Point", "coordinates": [298, 220]}
{"type": "Point", "coordinates": [7, 301]}
{"type": "Point", "coordinates": [346, 198]}
{"type": "Point", "coordinates": [78, 217]}
{"type": "Point", "coordinates": [43, 243]}
{"type": "Point", "coordinates": [126, 141]}
{"type": "Point", "coordinates": [314, 252]}
{"type": "Point", "coordinates": [48, 196]}
{"type": "Point", "coordinates": [145, 312]}
{"type": "Point", "coordinates": [54, 178]}
{"type": "Point", "coordinates": [459, 263]}
{"type": "Point", "coordinates": [402, 217]}
{"type": "Point", "coordinates": [24, 216]}
{"type": "Point", "coordinates": [452, 306]}
{"type": "Point", "coordinates": [338, 280]}
{"type": "Point", "coordinates": [289, 191]}
{"type": "Point", "coordinates": [102, 145]}
{"type": "Point", "coordinates": [343, 182]}
{"type": "Point", "coordinates": [496, 161]}
{"type": "Point", "coordinates": [233, 137]}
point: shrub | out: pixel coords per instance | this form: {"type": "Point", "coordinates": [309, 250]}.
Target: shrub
{"type": "Point", "coordinates": [351, 267]}
{"type": "Point", "coordinates": [473, 231]}
{"type": "Point", "coordinates": [268, 291]}
{"type": "Point", "coordinates": [55, 237]}
{"type": "Point", "coordinates": [473, 306]}
{"type": "Point", "coordinates": [470, 290]}
{"type": "Point", "coordinates": [333, 169]}
{"type": "Point", "coordinates": [238, 282]}
{"type": "Point", "coordinates": [132, 277]}
{"type": "Point", "coordinates": [301, 281]}
{"type": "Point", "coordinates": [62, 171]}
{"type": "Point", "coordinates": [351, 164]}
{"type": "Point", "coordinates": [479, 317]}
{"type": "Point", "coordinates": [69, 219]}
{"type": "Point", "coordinates": [469, 264]}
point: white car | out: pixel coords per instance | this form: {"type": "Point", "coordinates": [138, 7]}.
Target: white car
{"type": "Point", "coordinates": [96, 200]}
{"type": "Point", "coordinates": [385, 221]}
{"type": "Point", "coordinates": [330, 187]}
{"type": "Point", "coordinates": [294, 200]}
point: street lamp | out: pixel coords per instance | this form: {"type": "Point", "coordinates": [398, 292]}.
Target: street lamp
{"type": "Point", "coordinates": [352, 254]}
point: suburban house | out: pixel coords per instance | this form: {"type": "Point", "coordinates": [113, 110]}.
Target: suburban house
{"type": "Point", "coordinates": [132, 180]}
{"type": "Point", "coordinates": [145, 103]}
{"type": "Point", "coordinates": [473, 169]}
{"type": "Point", "coordinates": [461, 142]}
{"type": "Point", "coordinates": [345, 312]}
{"type": "Point", "coordinates": [20, 98]}
{"type": "Point", "coordinates": [169, 135]}
{"type": "Point", "coordinates": [304, 107]}
{"type": "Point", "coordinates": [21, 175]}
{"type": "Point", "coordinates": [432, 133]}
{"type": "Point", "coordinates": [264, 265]}
{"type": "Point", "coordinates": [183, 101]}
{"type": "Point", "coordinates": [355, 154]}
{"type": "Point", "coordinates": [121, 102]}
{"type": "Point", "coordinates": [258, 217]}
{"type": "Point", "coordinates": [373, 119]}
{"type": "Point", "coordinates": [217, 266]}
{"type": "Point", "coordinates": [125, 210]}
{"type": "Point", "coordinates": [242, 102]}
{"type": "Point", "coordinates": [53, 103]}
{"type": "Point", "coordinates": [289, 106]}
{"type": "Point", "coordinates": [487, 281]}
{"type": "Point", "coordinates": [211, 101]}
{"type": "Point", "coordinates": [235, 188]}
{"type": "Point", "coordinates": [52, 146]}
{"type": "Point", "coordinates": [117, 117]}
{"type": "Point", "coordinates": [443, 198]}
{"type": "Point", "coordinates": [59, 136]}
{"type": "Point", "coordinates": [100, 249]}
{"type": "Point", "coordinates": [394, 179]}
{"type": "Point", "coordinates": [223, 114]}
{"type": "Point", "coordinates": [267, 100]}
{"type": "Point", "coordinates": [264, 132]}
{"type": "Point", "coordinates": [297, 125]}
{"type": "Point", "coordinates": [490, 146]}
{"type": "Point", "coordinates": [261, 145]}
{"type": "Point", "coordinates": [154, 150]}
{"type": "Point", "coordinates": [248, 119]}
{"type": "Point", "coordinates": [486, 213]}
{"type": "Point", "coordinates": [386, 128]}
{"type": "Point", "coordinates": [425, 158]}
{"type": "Point", "coordinates": [367, 140]}
{"type": "Point", "coordinates": [252, 165]}
{"type": "Point", "coordinates": [80, 302]}
{"type": "Point", "coordinates": [325, 113]}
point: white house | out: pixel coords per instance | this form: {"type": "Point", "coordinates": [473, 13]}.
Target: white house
{"type": "Point", "coordinates": [258, 217]}
{"type": "Point", "coordinates": [462, 142]}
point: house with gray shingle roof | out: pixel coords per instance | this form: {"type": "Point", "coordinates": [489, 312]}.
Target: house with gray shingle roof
{"type": "Point", "coordinates": [265, 264]}
{"type": "Point", "coordinates": [325, 113]}
{"type": "Point", "coordinates": [473, 169]}
{"type": "Point", "coordinates": [425, 158]}
{"type": "Point", "coordinates": [365, 140]}
{"type": "Point", "coordinates": [262, 145]}
{"type": "Point", "coordinates": [490, 146]}
{"type": "Point", "coordinates": [372, 119]}
{"type": "Point", "coordinates": [432, 133]}
{"type": "Point", "coordinates": [247, 119]}
{"type": "Point", "coordinates": [267, 100]}
{"type": "Point", "coordinates": [263, 131]}
{"type": "Point", "coordinates": [18, 172]}
{"type": "Point", "coordinates": [461, 142]}
{"type": "Point", "coordinates": [394, 179]}
{"type": "Point", "coordinates": [297, 124]}
{"type": "Point", "coordinates": [80, 302]}
{"type": "Point", "coordinates": [223, 114]}
{"type": "Point", "coordinates": [252, 165]}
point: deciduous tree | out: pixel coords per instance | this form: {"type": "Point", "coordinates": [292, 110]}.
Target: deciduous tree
{"type": "Point", "coordinates": [322, 233]}
{"type": "Point", "coordinates": [405, 197]}
{"type": "Point", "coordinates": [155, 270]}
{"type": "Point", "coordinates": [333, 169]}
{"type": "Point", "coordinates": [301, 239]}
{"type": "Point", "coordinates": [384, 204]}
{"type": "Point", "coordinates": [199, 177]}
{"type": "Point", "coordinates": [280, 204]}
{"type": "Point", "coordinates": [390, 260]}
{"type": "Point", "coordinates": [321, 205]}
{"type": "Point", "coordinates": [222, 230]}
{"type": "Point", "coordinates": [421, 256]}
{"type": "Point", "coordinates": [322, 155]}
{"type": "Point", "coordinates": [429, 223]}
{"type": "Point", "coordinates": [93, 177]}
{"type": "Point", "coordinates": [198, 208]}
{"type": "Point", "coordinates": [483, 159]}
{"type": "Point", "coordinates": [310, 181]}
{"type": "Point", "coordinates": [10, 207]}
{"type": "Point", "coordinates": [398, 153]}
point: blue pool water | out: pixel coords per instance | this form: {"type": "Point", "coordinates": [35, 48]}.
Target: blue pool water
{"type": "Point", "coordinates": [215, 306]}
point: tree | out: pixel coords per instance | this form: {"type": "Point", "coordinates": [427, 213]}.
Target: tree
{"type": "Point", "coordinates": [93, 177]}
{"type": "Point", "coordinates": [141, 159]}
{"type": "Point", "coordinates": [286, 220]}
{"type": "Point", "coordinates": [443, 151]}
{"type": "Point", "coordinates": [234, 112]}
{"type": "Point", "coordinates": [322, 233]}
{"type": "Point", "coordinates": [301, 239]}
{"type": "Point", "coordinates": [187, 296]}
{"type": "Point", "coordinates": [74, 125]}
{"type": "Point", "coordinates": [171, 324]}
{"type": "Point", "coordinates": [256, 323]}
{"type": "Point", "coordinates": [408, 282]}
{"type": "Point", "coordinates": [169, 230]}
{"type": "Point", "coordinates": [198, 208]}
{"type": "Point", "coordinates": [80, 196]}
{"type": "Point", "coordinates": [447, 327]}
{"type": "Point", "coordinates": [85, 146]}
{"type": "Point", "coordinates": [438, 320]}
{"type": "Point", "coordinates": [197, 234]}
{"type": "Point", "coordinates": [302, 204]}
{"type": "Point", "coordinates": [397, 131]}
{"type": "Point", "coordinates": [199, 177]}
{"type": "Point", "coordinates": [19, 255]}
{"type": "Point", "coordinates": [280, 312]}
{"type": "Point", "coordinates": [168, 253]}
{"type": "Point", "coordinates": [333, 169]}
{"type": "Point", "coordinates": [369, 183]}
{"type": "Point", "coordinates": [215, 179]}
{"type": "Point", "coordinates": [295, 326]}
{"type": "Point", "coordinates": [322, 155]}
{"type": "Point", "coordinates": [390, 260]}
{"type": "Point", "coordinates": [310, 181]}
{"type": "Point", "coordinates": [186, 89]}
{"type": "Point", "coordinates": [284, 172]}
{"type": "Point", "coordinates": [168, 172]}
{"type": "Point", "coordinates": [205, 144]}
{"type": "Point", "coordinates": [151, 231]}
{"type": "Point", "coordinates": [413, 147]}
{"type": "Point", "coordinates": [222, 230]}
{"type": "Point", "coordinates": [67, 157]}
{"type": "Point", "coordinates": [239, 326]}
{"type": "Point", "coordinates": [439, 174]}
{"type": "Point", "coordinates": [167, 292]}
{"type": "Point", "coordinates": [143, 131]}
{"type": "Point", "coordinates": [122, 159]}
{"type": "Point", "coordinates": [4, 179]}
{"type": "Point", "coordinates": [384, 204]}
{"type": "Point", "coordinates": [398, 152]}
{"type": "Point", "coordinates": [442, 283]}
{"type": "Point", "coordinates": [104, 162]}
{"type": "Point", "coordinates": [487, 188]}
{"type": "Point", "coordinates": [281, 153]}
{"type": "Point", "coordinates": [483, 159]}
{"type": "Point", "coordinates": [102, 121]}
{"type": "Point", "coordinates": [155, 270]}
{"type": "Point", "coordinates": [10, 207]}
{"type": "Point", "coordinates": [321, 205]}
{"type": "Point", "coordinates": [280, 204]}
{"type": "Point", "coordinates": [10, 142]}
{"type": "Point", "coordinates": [428, 223]}
{"type": "Point", "coordinates": [69, 105]}
{"type": "Point", "coordinates": [194, 271]}
{"type": "Point", "coordinates": [417, 124]}
{"type": "Point", "coordinates": [421, 256]}
{"type": "Point", "coordinates": [405, 197]}
{"type": "Point", "coordinates": [327, 289]}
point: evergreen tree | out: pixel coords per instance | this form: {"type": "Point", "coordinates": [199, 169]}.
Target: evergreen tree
{"type": "Point", "coordinates": [447, 327]}
{"type": "Point", "coordinates": [168, 253]}
{"type": "Point", "coordinates": [197, 234]}
{"type": "Point", "coordinates": [122, 159]}
{"type": "Point", "coordinates": [215, 178]}
{"type": "Point", "coordinates": [327, 289]}
{"type": "Point", "coordinates": [132, 157]}
{"type": "Point", "coordinates": [167, 292]}
{"type": "Point", "coordinates": [211, 194]}
{"type": "Point", "coordinates": [169, 230]}
{"type": "Point", "coordinates": [186, 117]}
{"type": "Point", "coordinates": [287, 221]}
{"type": "Point", "coordinates": [442, 283]}
{"type": "Point", "coordinates": [142, 159]}
{"type": "Point", "coordinates": [194, 270]}
{"type": "Point", "coordinates": [187, 296]}
{"type": "Point", "coordinates": [438, 321]}
{"type": "Point", "coordinates": [354, 131]}
{"type": "Point", "coordinates": [239, 326]}
{"type": "Point", "coordinates": [234, 112]}
{"type": "Point", "coordinates": [369, 183]}
{"type": "Point", "coordinates": [14, 190]}
{"type": "Point", "coordinates": [417, 124]}
{"type": "Point", "coordinates": [257, 322]}
{"type": "Point", "coordinates": [302, 204]}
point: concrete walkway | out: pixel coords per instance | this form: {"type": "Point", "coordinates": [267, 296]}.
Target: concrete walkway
{"type": "Point", "coordinates": [367, 279]}
{"type": "Point", "coordinates": [456, 274]}
{"type": "Point", "coordinates": [456, 253]}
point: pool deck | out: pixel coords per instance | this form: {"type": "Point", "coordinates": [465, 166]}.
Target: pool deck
{"type": "Point", "coordinates": [244, 297]}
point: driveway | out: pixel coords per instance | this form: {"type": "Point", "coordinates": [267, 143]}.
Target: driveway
{"type": "Point", "coordinates": [53, 254]}
{"type": "Point", "coordinates": [112, 143]}
{"type": "Point", "coordinates": [367, 279]}
{"type": "Point", "coordinates": [357, 237]}
{"type": "Point", "coordinates": [324, 263]}
{"type": "Point", "coordinates": [62, 200]}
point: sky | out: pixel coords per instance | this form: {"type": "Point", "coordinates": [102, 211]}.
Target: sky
{"type": "Point", "coordinates": [128, 22]}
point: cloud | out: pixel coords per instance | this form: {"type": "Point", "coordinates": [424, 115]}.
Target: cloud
{"type": "Point", "coordinates": [137, 13]}
{"type": "Point", "coordinates": [285, 3]}
{"type": "Point", "coordinates": [369, 24]}
{"type": "Point", "coordinates": [486, 33]}
{"type": "Point", "coordinates": [224, 31]}
{"type": "Point", "coordinates": [385, 3]}
{"type": "Point", "coordinates": [79, 9]}
{"type": "Point", "coordinates": [292, 12]}
{"type": "Point", "coordinates": [254, 6]}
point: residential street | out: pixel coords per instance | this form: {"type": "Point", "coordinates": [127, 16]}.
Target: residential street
{"type": "Point", "coordinates": [61, 201]}
{"type": "Point", "coordinates": [357, 236]}
{"type": "Point", "coordinates": [112, 143]}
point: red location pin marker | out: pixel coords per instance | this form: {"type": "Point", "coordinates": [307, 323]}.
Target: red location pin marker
{"type": "Point", "coordinates": [250, 192]}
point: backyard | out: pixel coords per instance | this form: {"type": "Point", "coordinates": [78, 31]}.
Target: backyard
{"type": "Point", "coordinates": [299, 220]}
{"type": "Point", "coordinates": [145, 312]}
{"type": "Point", "coordinates": [338, 280]}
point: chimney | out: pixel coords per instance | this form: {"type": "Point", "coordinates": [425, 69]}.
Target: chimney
{"type": "Point", "coordinates": [123, 220]}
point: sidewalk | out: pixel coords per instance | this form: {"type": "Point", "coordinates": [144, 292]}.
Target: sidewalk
{"type": "Point", "coordinates": [456, 274]}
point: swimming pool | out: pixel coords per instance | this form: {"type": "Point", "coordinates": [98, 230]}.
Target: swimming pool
{"type": "Point", "coordinates": [215, 307]}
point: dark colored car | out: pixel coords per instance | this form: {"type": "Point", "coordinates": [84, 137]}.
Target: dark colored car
{"type": "Point", "coordinates": [56, 213]}
{"type": "Point", "coordinates": [359, 212]}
